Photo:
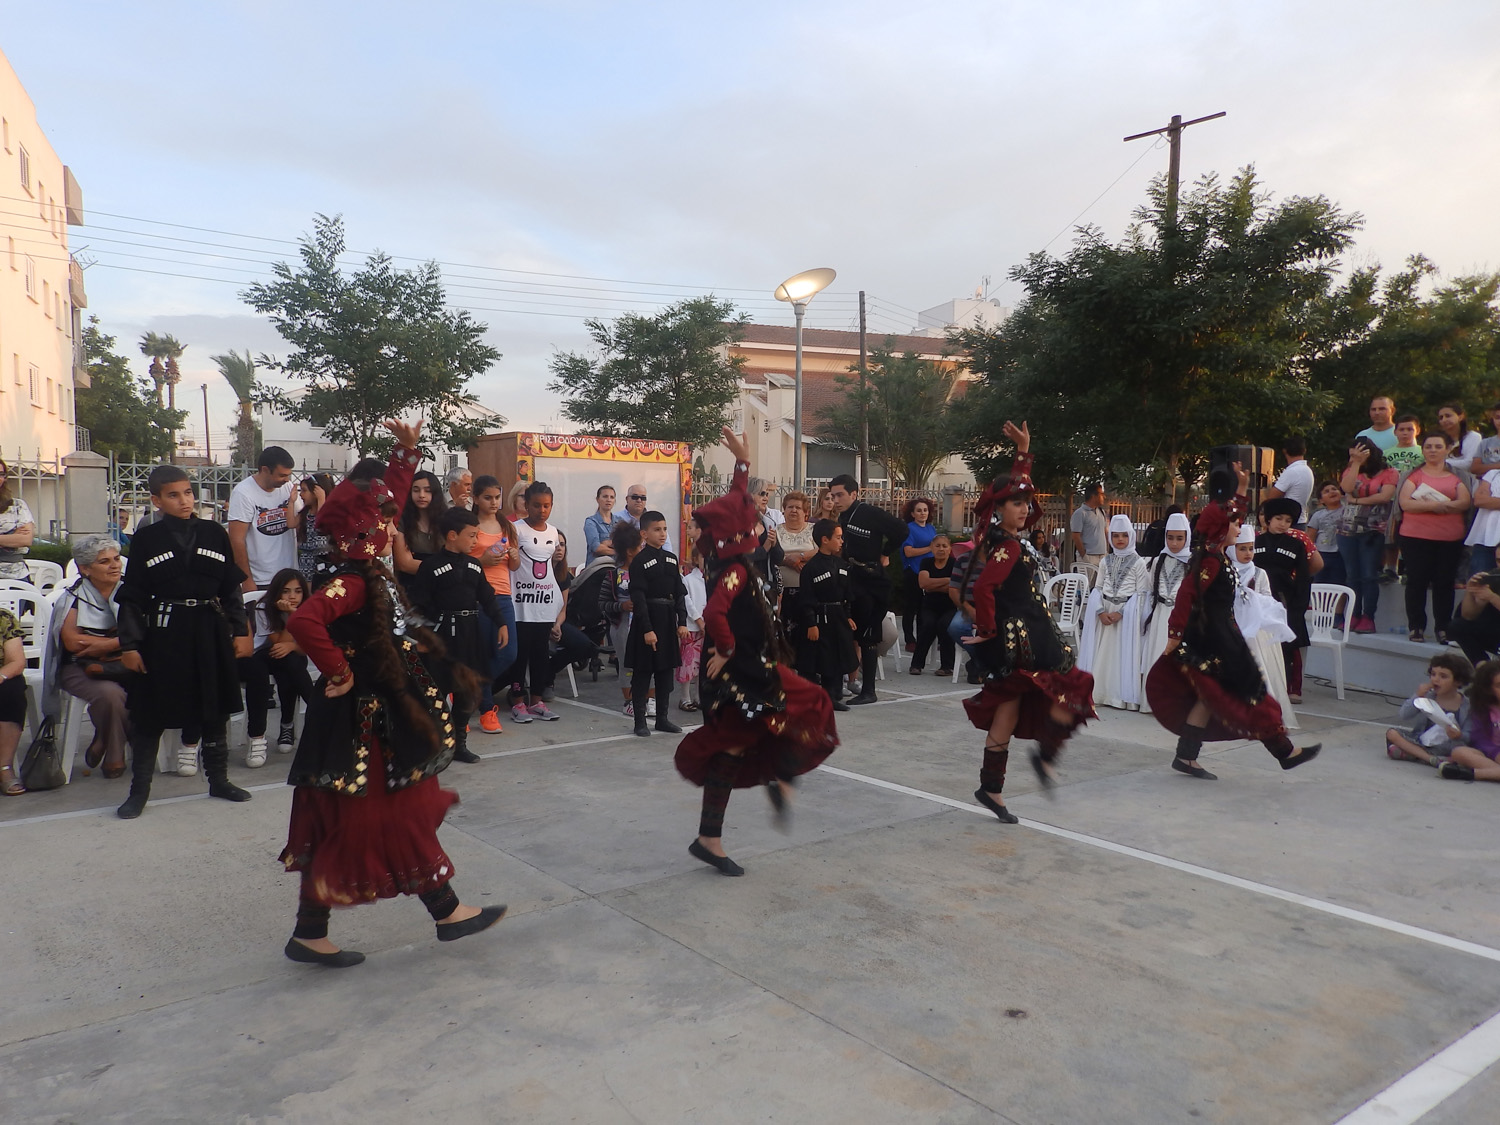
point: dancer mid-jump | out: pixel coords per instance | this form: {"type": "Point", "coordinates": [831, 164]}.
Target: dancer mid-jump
{"type": "Point", "coordinates": [1207, 687]}
{"type": "Point", "coordinates": [1034, 688]}
{"type": "Point", "coordinates": [762, 723]}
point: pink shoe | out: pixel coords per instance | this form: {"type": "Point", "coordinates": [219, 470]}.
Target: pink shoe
{"type": "Point", "coordinates": [1364, 625]}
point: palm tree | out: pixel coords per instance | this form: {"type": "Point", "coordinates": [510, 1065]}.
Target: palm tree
{"type": "Point", "coordinates": [172, 348]}
{"type": "Point", "coordinates": [239, 372]}
{"type": "Point", "coordinates": [154, 346]}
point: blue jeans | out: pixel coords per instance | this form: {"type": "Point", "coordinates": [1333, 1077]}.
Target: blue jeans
{"type": "Point", "coordinates": [1332, 573]}
{"type": "Point", "coordinates": [1481, 558]}
{"type": "Point", "coordinates": [958, 628]}
{"type": "Point", "coordinates": [1363, 556]}
{"type": "Point", "coordinates": [501, 657]}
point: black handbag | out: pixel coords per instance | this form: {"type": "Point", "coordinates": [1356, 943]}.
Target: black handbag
{"type": "Point", "coordinates": [42, 766]}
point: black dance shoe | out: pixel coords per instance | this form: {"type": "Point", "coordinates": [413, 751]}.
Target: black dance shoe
{"type": "Point", "coordinates": [863, 698]}
{"type": "Point", "coordinates": [1005, 815]}
{"type": "Point", "coordinates": [725, 865]}
{"type": "Point", "coordinates": [840, 705]}
{"type": "Point", "coordinates": [226, 790]}
{"type": "Point", "coordinates": [487, 917]}
{"type": "Point", "coordinates": [782, 817]}
{"type": "Point", "coordinates": [467, 756]}
{"type": "Point", "coordinates": [1307, 754]}
{"type": "Point", "coordinates": [134, 805]}
{"type": "Point", "coordinates": [642, 729]}
{"type": "Point", "coordinates": [1193, 769]}
{"type": "Point", "coordinates": [343, 959]}
{"type": "Point", "coordinates": [667, 726]}
{"type": "Point", "coordinates": [1047, 780]}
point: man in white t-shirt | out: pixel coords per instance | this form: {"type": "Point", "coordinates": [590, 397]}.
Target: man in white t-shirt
{"type": "Point", "coordinates": [1296, 480]}
{"type": "Point", "coordinates": [261, 528]}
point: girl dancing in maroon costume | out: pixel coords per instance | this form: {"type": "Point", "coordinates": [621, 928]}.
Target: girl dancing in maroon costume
{"type": "Point", "coordinates": [762, 723]}
{"type": "Point", "coordinates": [1034, 689]}
{"type": "Point", "coordinates": [1207, 687]}
{"type": "Point", "coordinates": [367, 805]}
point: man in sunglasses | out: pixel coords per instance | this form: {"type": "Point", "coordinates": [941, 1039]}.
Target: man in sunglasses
{"type": "Point", "coordinates": [635, 507]}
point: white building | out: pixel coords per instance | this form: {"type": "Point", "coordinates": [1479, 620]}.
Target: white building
{"type": "Point", "coordinates": [41, 286]}
{"type": "Point", "coordinates": [311, 449]}
{"type": "Point", "coordinates": [984, 313]}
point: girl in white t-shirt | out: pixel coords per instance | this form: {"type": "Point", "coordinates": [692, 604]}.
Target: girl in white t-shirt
{"type": "Point", "coordinates": [540, 605]}
{"type": "Point", "coordinates": [692, 650]}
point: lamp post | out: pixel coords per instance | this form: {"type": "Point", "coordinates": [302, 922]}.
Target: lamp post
{"type": "Point", "coordinates": [798, 291]}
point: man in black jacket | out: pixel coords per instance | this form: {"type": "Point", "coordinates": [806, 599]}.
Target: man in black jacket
{"type": "Point", "coordinates": [871, 536]}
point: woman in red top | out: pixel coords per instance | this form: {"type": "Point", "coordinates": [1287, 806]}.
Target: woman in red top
{"type": "Point", "coordinates": [1207, 686]}
{"type": "Point", "coordinates": [1433, 502]}
{"type": "Point", "coordinates": [367, 804]}
{"type": "Point", "coordinates": [762, 723]}
{"type": "Point", "coordinates": [1034, 688]}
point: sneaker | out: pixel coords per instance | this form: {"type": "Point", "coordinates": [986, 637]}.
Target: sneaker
{"type": "Point", "coordinates": [255, 757]}
{"type": "Point", "coordinates": [629, 709]}
{"type": "Point", "coordinates": [520, 713]}
{"type": "Point", "coordinates": [489, 722]}
{"type": "Point", "coordinates": [1387, 577]}
{"type": "Point", "coordinates": [943, 672]}
{"type": "Point", "coordinates": [651, 708]}
{"type": "Point", "coordinates": [286, 741]}
{"type": "Point", "coordinates": [1364, 625]}
{"type": "Point", "coordinates": [187, 760]}
{"type": "Point", "coordinates": [543, 712]}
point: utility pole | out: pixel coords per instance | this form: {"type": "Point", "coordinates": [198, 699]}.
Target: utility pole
{"type": "Point", "coordinates": [1173, 130]}
{"type": "Point", "coordinates": [208, 442]}
{"type": "Point", "coordinates": [864, 405]}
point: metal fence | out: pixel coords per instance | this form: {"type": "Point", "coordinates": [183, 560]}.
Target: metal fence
{"type": "Point", "coordinates": [39, 482]}
{"type": "Point", "coordinates": [130, 498]}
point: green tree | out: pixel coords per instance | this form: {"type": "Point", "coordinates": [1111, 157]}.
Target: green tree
{"type": "Point", "coordinates": [370, 345]}
{"type": "Point", "coordinates": [1151, 351]}
{"type": "Point", "coordinates": [666, 376]}
{"type": "Point", "coordinates": [909, 414]}
{"type": "Point", "coordinates": [122, 412]}
{"type": "Point", "coordinates": [239, 372]}
{"type": "Point", "coordinates": [1422, 351]}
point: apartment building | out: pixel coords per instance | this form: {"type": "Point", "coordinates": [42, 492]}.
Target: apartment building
{"type": "Point", "coordinates": [41, 286]}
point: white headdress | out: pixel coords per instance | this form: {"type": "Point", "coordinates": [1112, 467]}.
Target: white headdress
{"type": "Point", "coordinates": [1122, 523]}
{"type": "Point", "coordinates": [1178, 521]}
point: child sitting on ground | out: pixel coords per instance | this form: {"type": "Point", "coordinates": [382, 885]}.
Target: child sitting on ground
{"type": "Point", "coordinates": [1429, 741]}
{"type": "Point", "coordinates": [1476, 759]}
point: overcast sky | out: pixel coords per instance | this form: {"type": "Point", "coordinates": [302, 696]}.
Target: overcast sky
{"type": "Point", "coordinates": [675, 149]}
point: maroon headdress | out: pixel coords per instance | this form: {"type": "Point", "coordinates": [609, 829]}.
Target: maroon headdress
{"type": "Point", "coordinates": [1213, 522]}
{"type": "Point", "coordinates": [1012, 486]}
{"type": "Point", "coordinates": [351, 517]}
{"type": "Point", "coordinates": [728, 523]}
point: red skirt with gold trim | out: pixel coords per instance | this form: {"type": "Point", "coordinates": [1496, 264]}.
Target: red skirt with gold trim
{"type": "Point", "coordinates": [1173, 686]}
{"type": "Point", "coordinates": [1038, 692]}
{"type": "Point", "coordinates": [380, 844]}
{"type": "Point", "coordinates": [776, 743]}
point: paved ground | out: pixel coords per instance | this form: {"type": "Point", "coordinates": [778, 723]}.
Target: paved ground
{"type": "Point", "coordinates": [1272, 947]}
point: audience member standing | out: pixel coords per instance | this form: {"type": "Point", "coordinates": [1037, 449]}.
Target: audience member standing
{"type": "Point", "coordinates": [418, 534]}
{"type": "Point", "coordinates": [1369, 486]}
{"type": "Point", "coordinates": [260, 519]}
{"type": "Point", "coordinates": [314, 549]}
{"type": "Point", "coordinates": [460, 487]}
{"type": "Point", "coordinates": [797, 547]}
{"type": "Point", "coordinates": [596, 527]}
{"type": "Point", "coordinates": [1381, 430]}
{"type": "Point", "coordinates": [1433, 502]}
{"type": "Point", "coordinates": [1465, 442]}
{"type": "Point", "coordinates": [1484, 533]}
{"type": "Point", "coordinates": [1090, 527]}
{"type": "Point", "coordinates": [918, 547]}
{"type": "Point", "coordinates": [1488, 456]}
{"type": "Point", "coordinates": [1406, 454]}
{"type": "Point", "coordinates": [635, 507]}
{"type": "Point", "coordinates": [871, 536]}
{"type": "Point", "coordinates": [1323, 526]}
{"type": "Point", "coordinates": [495, 548]}
{"type": "Point", "coordinates": [1296, 480]}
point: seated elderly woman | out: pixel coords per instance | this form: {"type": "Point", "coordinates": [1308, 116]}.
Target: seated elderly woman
{"type": "Point", "coordinates": [88, 649]}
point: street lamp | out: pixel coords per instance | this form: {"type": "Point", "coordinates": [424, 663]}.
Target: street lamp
{"type": "Point", "coordinates": [799, 290]}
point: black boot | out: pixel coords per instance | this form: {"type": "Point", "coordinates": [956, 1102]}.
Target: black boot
{"type": "Point", "coordinates": [142, 766]}
{"type": "Point", "coordinates": [216, 769]}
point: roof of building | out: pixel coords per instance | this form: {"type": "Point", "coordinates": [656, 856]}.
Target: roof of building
{"type": "Point", "coordinates": [834, 340]}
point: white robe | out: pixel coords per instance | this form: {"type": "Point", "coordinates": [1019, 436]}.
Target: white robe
{"type": "Point", "coordinates": [1154, 643]}
{"type": "Point", "coordinates": [1262, 622]}
{"type": "Point", "coordinates": [1112, 652]}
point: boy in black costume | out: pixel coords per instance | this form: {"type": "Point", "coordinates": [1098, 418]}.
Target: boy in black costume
{"type": "Point", "coordinates": [826, 653]}
{"type": "Point", "coordinates": [182, 626]}
{"type": "Point", "coordinates": [658, 624]}
{"type": "Point", "coordinates": [452, 590]}
{"type": "Point", "coordinates": [1282, 553]}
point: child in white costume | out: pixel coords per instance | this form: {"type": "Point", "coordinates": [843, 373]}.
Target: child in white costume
{"type": "Point", "coordinates": [1262, 620]}
{"type": "Point", "coordinates": [1164, 576]}
{"type": "Point", "coordinates": [1112, 621]}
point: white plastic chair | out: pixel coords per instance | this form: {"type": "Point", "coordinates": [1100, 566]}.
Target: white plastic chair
{"type": "Point", "coordinates": [47, 575]}
{"type": "Point", "coordinates": [1070, 592]}
{"type": "Point", "coordinates": [1323, 630]}
{"type": "Point", "coordinates": [32, 609]}
{"type": "Point", "coordinates": [1089, 571]}
{"type": "Point", "coordinates": [20, 584]}
{"type": "Point", "coordinates": [890, 645]}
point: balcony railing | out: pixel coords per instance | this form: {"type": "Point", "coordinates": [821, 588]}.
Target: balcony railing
{"type": "Point", "coordinates": [83, 439]}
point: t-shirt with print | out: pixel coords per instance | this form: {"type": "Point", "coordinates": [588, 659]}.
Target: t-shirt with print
{"type": "Point", "coordinates": [1403, 458]}
{"type": "Point", "coordinates": [1324, 525]}
{"type": "Point", "coordinates": [1489, 452]}
{"type": "Point", "coordinates": [270, 539]}
{"type": "Point", "coordinates": [533, 587]}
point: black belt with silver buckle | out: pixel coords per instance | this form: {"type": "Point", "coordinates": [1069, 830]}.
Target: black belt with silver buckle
{"type": "Point", "coordinates": [191, 603]}
{"type": "Point", "coordinates": [459, 613]}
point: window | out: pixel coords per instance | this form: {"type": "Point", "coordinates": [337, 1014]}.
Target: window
{"type": "Point", "coordinates": [31, 277]}
{"type": "Point", "coordinates": [51, 402]}
{"type": "Point", "coordinates": [12, 244]}
{"type": "Point", "coordinates": [25, 168]}
{"type": "Point", "coordinates": [5, 133]}
{"type": "Point", "coordinates": [34, 383]}
{"type": "Point", "coordinates": [15, 360]}
{"type": "Point", "coordinates": [47, 299]}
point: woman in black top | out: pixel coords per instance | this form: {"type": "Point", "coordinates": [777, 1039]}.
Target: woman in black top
{"type": "Point", "coordinates": [936, 609]}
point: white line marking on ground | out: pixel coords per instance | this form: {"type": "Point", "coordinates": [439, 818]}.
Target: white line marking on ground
{"type": "Point", "coordinates": [111, 808]}
{"type": "Point", "coordinates": [1266, 889]}
{"type": "Point", "coordinates": [1419, 1092]}
{"type": "Point", "coordinates": [1341, 718]}
{"type": "Point", "coordinates": [613, 712]}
